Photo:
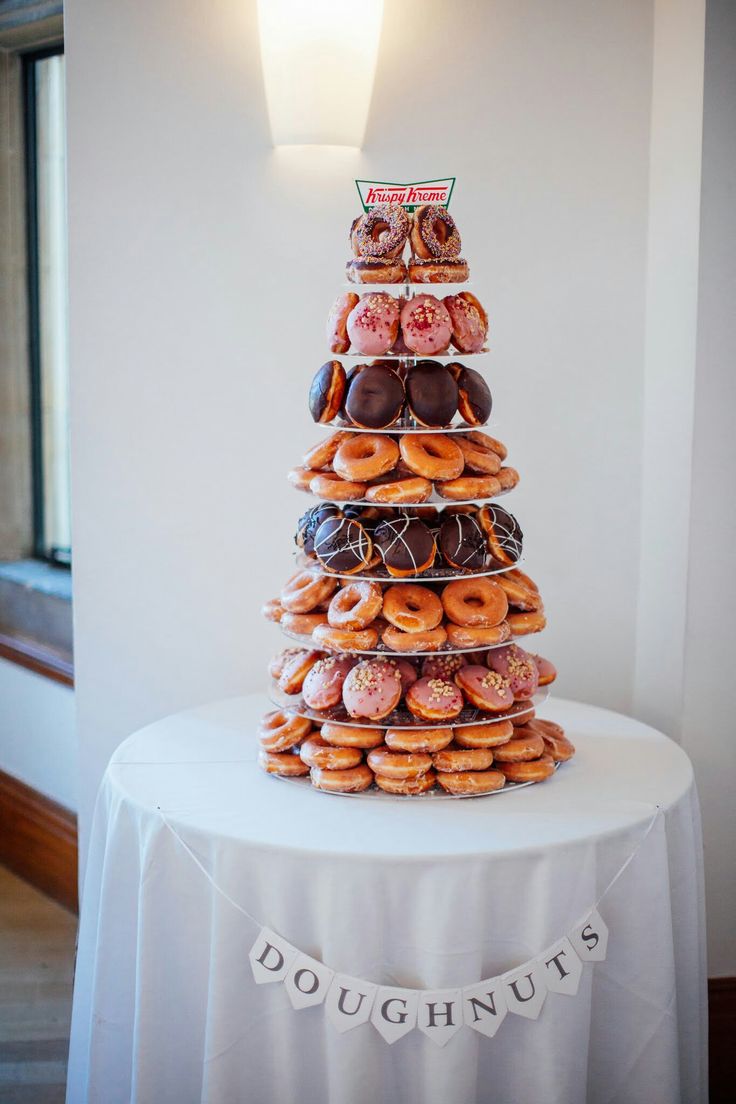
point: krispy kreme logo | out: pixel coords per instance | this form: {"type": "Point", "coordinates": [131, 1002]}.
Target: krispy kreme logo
{"type": "Point", "coordinates": [375, 192]}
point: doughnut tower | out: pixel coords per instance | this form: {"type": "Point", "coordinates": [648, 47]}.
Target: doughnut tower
{"type": "Point", "coordinates": [402, 672]}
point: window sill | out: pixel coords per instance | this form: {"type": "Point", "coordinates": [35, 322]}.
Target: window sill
{"type": "Point", "coordinates": [36, 618]}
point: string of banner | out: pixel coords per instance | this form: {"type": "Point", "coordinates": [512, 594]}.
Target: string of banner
{"type": "Point", "coordinates": [439, 1013]}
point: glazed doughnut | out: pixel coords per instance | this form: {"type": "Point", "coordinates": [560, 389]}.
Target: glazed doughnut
{"type": "Point", "coordinates": [523, 623]}
{"type": "Point", "coordinates": [285, 763]}
{"type": "Point", "coordinates": [469, 487]}
{"type": "Point", "coordinates": [519, 594]}
{"type": "Point", "coordinates": [280, 660]}
{"type": "Point", "coordinates": [324, 681]}
{"type": "Point", "coordinates": [469, 322]}
{"type": "Point", "coordinates": [364, 456]}
{"type": "Point", "coordinates": [546, 670]}
{"type": "Point", "coordinates": [475, 602]}
{"type": "Point", "coordinates": [398, 764]}
{"type": "Point", "coordinates": [434, 233]}
{"type": "Point", "coordinates": [425, 325]}
{"type": "Point", "coordinates": [303, 624]}
{"type": "Point", "coordinates": [556, 742]}
{"type": "Point", "coordinates": [373, 324]}
{"type": "Point", "coordinates": [344, 640]}
{"type": "Point", "coordinates": [305, 590]}
{"type": "Point", "coordinates": [372, 690]}
{"type": "Point", "coordinates": [524, 715]}
{"type": "Point", "coordinates": [475, 636]}
{"type": "Point", "coordinates": [400, 492]}
{"type": "Point", "coordinates": [454, 758]}
{"type": "Point", "coordinates": [486, 441]}
{"type": "Point", "coordinates": [434, 700]}
{"type": "Point", "coordinates": [431, 455]}
{"type": "Point", "coordinates": [381, 232]}
{"type": "Point", "coordinates": [272, 610]}
{"type": "Point", "coordinates": [525, 744]}
{"type": "Point", "coordinates": [429, 641]}
{"type": "Point", "coordinates": [464, 783]}
{"type": "Point", "coordinates": [530, 770]}
{"type": "Point", "coordinates": [351, 736]}
{"type": "Point", "coordinates": [330, 486]}
{"type": "Point", "coordinates": [316, 752]}
{"type": "Point", "coordinates": [438, 272]}
{"type": "Point", "coordinates": [327, 391]}
{"type": "Point", "coordinates": [484, 735]}
{"type": "Point", "coordinates": [280, 730]}
{"type": "Point", "coordinates": [484, 689]}
{"type": "Point", "coordinates": [297, 668]}
{"type": "Point", "coordinates": [337, 322]}
{"type": "Point", "coordinates": [323, 453]}
{"type": "Point", "coordinates": [413, 786]}
{"type": "Point", "coordinates": [478, 458]}
{"type": "Point", "coordinates": [342, 781]}
{"type": "Point", "coordinates": [412, 608]}
{"type": "Point", "coordinates": [370, 270]}
{"type": "Point", "coordinates": [300, 478]}
{"type": "Point", "coordinates": [508, 478]}
{"type": "Point", "coordinates": [418, 739]}
{"type": "Point", "coordinates": [355, 605]}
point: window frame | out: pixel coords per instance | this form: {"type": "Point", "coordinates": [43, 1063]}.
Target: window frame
{"type": "Point", "coordinates": [30, 133]}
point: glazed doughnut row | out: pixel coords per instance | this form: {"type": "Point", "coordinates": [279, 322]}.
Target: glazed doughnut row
{"type": "Point", "coordinates": [378, 323]}
{"type": "Point", "coordinates": [347, 759]}
{"type": "Point", "coordinates": [354, 616]}
{"type": "Point", "coordinates": [464, 539]}
{"type": "Point", "coordinates": [378, 239]}
{"type": "Point", "coordinates": [406, 469]}
{"type": "Point", "coordinates": [378, 395]}
{"type": "Point", "coordinates": [343, 686]}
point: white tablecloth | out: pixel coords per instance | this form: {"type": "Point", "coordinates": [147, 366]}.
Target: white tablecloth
{"type": "Point", "coordinates": [428, 894]}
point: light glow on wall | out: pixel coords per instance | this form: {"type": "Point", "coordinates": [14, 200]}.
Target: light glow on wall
{"type": "Point", "coordinates": [319, 61]}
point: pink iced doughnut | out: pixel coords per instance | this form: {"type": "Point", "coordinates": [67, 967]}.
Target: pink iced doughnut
{"type": "Point", "coordinates": [547, 670]}
{"type": "Point", "coordinates": [323, 685]}
{"type": "Point", "coordinates": [443, 667]}
{"type": "Point", "coordinates": [373, 324]}
{"type": "Point", "coordinates": [435, 700]}
{"type": "Point", "coordinates": [337, 334]}
{"type": "Point", "coordinates": [469, 322]}
{"type": "Point", "coordinates": [407, 673]}
{"type": "Point", "coordinates": [426, 325]}
{"type": "Point", "coordinates": [485, 689]}
{"type": "Point", "coordinates": [372, 690]}
{"type": "Point", "coordinates": [518, 667]}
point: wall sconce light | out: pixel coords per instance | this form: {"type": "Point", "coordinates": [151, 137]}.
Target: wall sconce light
{"type": "Point", "coordinates": [319, 61]}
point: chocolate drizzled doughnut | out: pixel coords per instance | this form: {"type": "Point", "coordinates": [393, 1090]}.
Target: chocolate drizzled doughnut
{"type": "Point", "coordinates": [375, 397]}
{"type": "Point", "coordinates": [310, 522]}
{"type": "Point", "coordinates": [342, 544]}
{"type": "Point", "coordinates": [406, 545]}
{"type": "Point", "coordinates": [431, 393]}
{"type": "Point", "coordinates": [503, 534]}
{"type": "Point", "coordinates": [462, 542]}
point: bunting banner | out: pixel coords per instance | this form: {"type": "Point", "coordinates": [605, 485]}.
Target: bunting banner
{"type": "Point", "coordinates": [438, 1013]}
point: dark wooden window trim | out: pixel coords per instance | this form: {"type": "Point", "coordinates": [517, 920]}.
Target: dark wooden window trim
{"type": "Point", "coordinates": [37, 657]}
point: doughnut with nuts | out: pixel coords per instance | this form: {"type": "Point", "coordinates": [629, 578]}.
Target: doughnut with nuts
{"type": "Point", "coordinates": [324, 681]}
{"type": "Point", "coordinates": [353, 780]}
{"type": "Point", "coordinates": [518, 667]}
{"type": "Point", "coordinates": [426, 326]}
{"type": "Point", "coordinates": [546, 670]}
{"type": "Point", "coordinates": [434, 700]}
{"type": "Point", "coordinates": [484, 689]}
{"type": "Point", "coordinates": [372, 690]}
{"type": "Point", "coordinates": [373, 324]}
{"type": "Point", "coordinates": [468, 320]}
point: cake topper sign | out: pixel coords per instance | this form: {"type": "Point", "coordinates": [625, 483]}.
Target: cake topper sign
{"type": "Point", "coordinates": [375, 192]}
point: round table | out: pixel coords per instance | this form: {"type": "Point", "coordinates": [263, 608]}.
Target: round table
{"type": "Point", "coordinates": [190, 839]}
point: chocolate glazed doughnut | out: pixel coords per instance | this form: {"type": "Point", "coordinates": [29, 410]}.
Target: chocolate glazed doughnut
{"type": "Point", "coordinates": [327, 391]}
{"type": "Point", "coordinates": [375, 397]}
{"type": "Point", "coordinates": [431, 393]}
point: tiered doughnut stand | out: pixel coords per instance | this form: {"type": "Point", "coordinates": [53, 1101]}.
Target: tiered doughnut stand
{"type": "Point", "coordinates": [385, 705]}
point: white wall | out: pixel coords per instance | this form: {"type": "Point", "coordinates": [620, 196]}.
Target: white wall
{"type": "Point", "coordinates": [37, 733]}
{"type": "Point", "coordinates": [709, 715]}
{"type": "Point", "coordinates": [202, 266]}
